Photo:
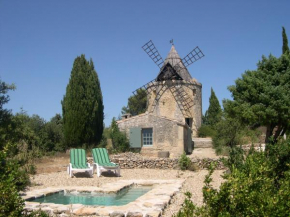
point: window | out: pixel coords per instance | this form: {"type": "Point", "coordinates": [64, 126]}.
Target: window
{"type": "Point", "coordinates": [189, 122]}
{"type": "Point", "coordinates": [147, 137]}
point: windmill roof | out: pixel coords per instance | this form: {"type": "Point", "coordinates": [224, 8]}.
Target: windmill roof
{"type": "Point", "coordinates": [173, 58]}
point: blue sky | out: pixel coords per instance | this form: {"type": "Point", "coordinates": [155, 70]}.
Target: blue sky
{"type": "Point", "coordinates": [39, 41]}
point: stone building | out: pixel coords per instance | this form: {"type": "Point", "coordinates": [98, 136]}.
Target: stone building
{"type": "Point", "coordinates": [174, 111]}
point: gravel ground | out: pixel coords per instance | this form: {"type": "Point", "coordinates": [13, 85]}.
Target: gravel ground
{"type": "Point", "coordinates": [193, 183]}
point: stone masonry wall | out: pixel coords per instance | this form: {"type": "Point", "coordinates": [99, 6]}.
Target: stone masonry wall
{"type": "Point", "coordinates": [168, 135]}
{"type": "Point", "coordinates": [132, 161]}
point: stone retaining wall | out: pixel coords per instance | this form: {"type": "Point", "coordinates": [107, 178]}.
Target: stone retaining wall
{"type": "Point", "coordinates": [133, 160]}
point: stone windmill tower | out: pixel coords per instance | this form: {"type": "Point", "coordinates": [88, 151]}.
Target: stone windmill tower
{"type": "Point", "coordinates": [174, 94]}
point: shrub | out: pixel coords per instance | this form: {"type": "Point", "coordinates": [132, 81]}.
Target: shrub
{"type": "Point", "coordinates": [193, 167]}
{"type": "Point", "coordinates": [38, 213]}
{"type": "Point", "coordinates": [188, 208]}
{"type": "Point", "coordinates": [258, 185]}
{"type": "Point", "coordinates": [11, 204]}
{"type": "Point", "coordinates": [119, 139]}
{"type": "Point", "coordinates": [184, 161]}
{"type": "Point", "coordinates": [231, 133]}
{"type": "Point", "coordinates": [206, 131]}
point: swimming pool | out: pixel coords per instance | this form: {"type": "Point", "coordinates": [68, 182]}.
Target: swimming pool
{"type": "Point", "coordinates": [120, 198]}
{"type": "Point", "coordinates": [151, 203]}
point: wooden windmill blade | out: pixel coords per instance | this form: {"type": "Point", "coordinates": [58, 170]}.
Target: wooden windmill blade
{"type": "Point", "coordinates": [153, 53]}
{"type": "Point", "coordinates": [192, 56]}
{"type": "Point", "coordinates": [158, 96]}
{"type": "Point", "coordinates": [184, 102]}
{"type": "Point", "coordinates": [147, 87]}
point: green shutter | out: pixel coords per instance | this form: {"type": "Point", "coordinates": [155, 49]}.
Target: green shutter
{"type": "Point", "coordinates": [135, 137]}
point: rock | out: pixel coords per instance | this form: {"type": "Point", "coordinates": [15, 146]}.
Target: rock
{"type": "Point", "coordinates": [60, 209]}
{"type": "Point", "coordinates": [134, 214]}
{"type": "Point", "coordinates": [153, 214]}
{"type": "Point", "coordinates": [147, 204]}
{"type": "Point", "coordinates": [86, 211]}
{"type": "Point", "coordinates": [103, 212]}
{"type": "Point", "coordinates": [117, 214]}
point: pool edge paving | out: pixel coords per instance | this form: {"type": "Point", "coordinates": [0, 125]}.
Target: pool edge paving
{"type": "Point", "coordinates": [151, 203]}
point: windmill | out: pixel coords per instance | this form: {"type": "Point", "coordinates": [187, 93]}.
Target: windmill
{"type": "Point", "coordinates": [173, 75]}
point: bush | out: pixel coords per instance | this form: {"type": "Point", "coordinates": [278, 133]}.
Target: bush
{"type": "Point", "coordinates": [258, 185]}
{"type": "Point", "coordinates": [119, 139]}
{"type": "Point", "coordinates": [11, 204]}
{"type": "Point", "coordinates": [38, 213]}
{"type": "Point", "coordinates": [231, 133]}
{"type": "Point", "coordinates": [188, 208]}
{"type": "Point", "coordinates": [206, 131]}
{"type": "Point", "coordinates": [184, 162]}
{"type": "Point", "coordinates": [193, 167]}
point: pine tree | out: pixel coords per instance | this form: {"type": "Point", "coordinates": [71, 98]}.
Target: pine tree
{"type": "Point", "coordinates": [82, 106]}
{"type": "Point", "coordinates": [136, 104]}
{"type": "Point", "coordinates": [214, 112]}
{"type": "Point", "coordinates": [285, 47]}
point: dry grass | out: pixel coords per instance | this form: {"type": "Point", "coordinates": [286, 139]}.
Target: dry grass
{"type": "Point", "coordinates": [52, 164]}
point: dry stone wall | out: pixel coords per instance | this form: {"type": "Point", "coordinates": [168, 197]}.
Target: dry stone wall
{"type": "Point", "coordinates": [131, 160]}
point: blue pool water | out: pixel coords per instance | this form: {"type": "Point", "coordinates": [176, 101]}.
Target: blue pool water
{"type": "Point", "coordinates": [123, 197]}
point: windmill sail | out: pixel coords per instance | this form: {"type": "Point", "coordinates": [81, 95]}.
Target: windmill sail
{"type": "Point", "coordinates": [192, 57]}
{"type": "Point", "coordinates": [153, 53]}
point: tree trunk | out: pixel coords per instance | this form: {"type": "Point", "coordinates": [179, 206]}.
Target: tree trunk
{"type": "Point", "coordinates": [278, 133]}
{"type": "Point", "coordinates": [269, 133]}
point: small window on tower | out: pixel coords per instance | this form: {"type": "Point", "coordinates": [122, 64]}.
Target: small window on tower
{"type": "Point", "coordinates": [194, 92]}
{"type": "Point", "coordinates": [188, 121]}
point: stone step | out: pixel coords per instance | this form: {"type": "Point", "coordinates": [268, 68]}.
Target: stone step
{"type": "Point", "coordinates": [202, 142]}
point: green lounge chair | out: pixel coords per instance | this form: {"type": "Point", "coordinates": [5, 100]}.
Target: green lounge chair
{"type": "Point", "coordinates": [102, 161]}
{"type": "Point", "coordinates": [78, 162]}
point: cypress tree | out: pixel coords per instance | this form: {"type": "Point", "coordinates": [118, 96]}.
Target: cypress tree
{"type": "Point", "coordinates": [214, 112]}
{"type": "Point", "coordinates": [285, 47]}
{"type": "Point", "coordinates": [82, 106]}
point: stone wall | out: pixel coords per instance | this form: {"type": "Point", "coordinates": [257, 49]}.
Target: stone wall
{"type": "Point", "coordinates": [197, 109]}
{"type": "Point", "coordinates": [168, 135]}
{"type": "Point", "coordinates": [132, 161]}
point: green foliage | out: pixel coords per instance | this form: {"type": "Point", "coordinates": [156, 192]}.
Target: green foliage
{"type": "Point", "coordinates": [82, 106]}
{"type": "Point", "coordinates": [214, 113]}
{"type": "Point", "coordinates": [11, 203]}
{"type": "Point", "coordinates": [258, 185]}
{"type": "Point", "coordinates": [35, 133]}
{"type": "Point", "coordinates": [261, 97]}
{"type": "Point", "coordinates": [136, 103]}
{"type": "Point", "coordinates": [230, 132]}
{"type": "Point", "coordinates": [285, 47]}
{"type": "Point", "coordinates": [4, 98]}
{"type": "Point", "coordinates": [5, 114]}
{"type": "Point", "coordinates": [53, 137]}
{"type": "Point", "coordinates": [119, 139]}
{"type": "Point", "coordinates": [20, 139]}
{"type": "Point", "coordinates": [38, 213]}
{"type": "Point", "coordinates": [206, 131]}
{"type": "Point", "coordinates": [188, 208]}
{"type": "Point", "coordinates": [184, 162]}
